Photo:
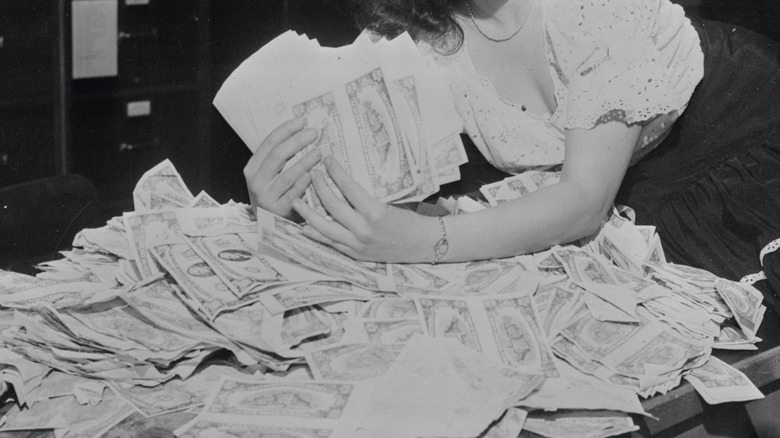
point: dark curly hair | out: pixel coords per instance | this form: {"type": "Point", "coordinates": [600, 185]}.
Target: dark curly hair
{"type": "Point", "coordinates": [432, 21]}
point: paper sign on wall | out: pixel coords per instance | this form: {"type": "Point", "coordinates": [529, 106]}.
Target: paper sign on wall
{"type": "Point", "coordinates": [95, 38]}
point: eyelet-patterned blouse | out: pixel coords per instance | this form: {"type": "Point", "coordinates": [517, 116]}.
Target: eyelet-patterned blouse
{"type": "Point", "coordinates": [638, 60]}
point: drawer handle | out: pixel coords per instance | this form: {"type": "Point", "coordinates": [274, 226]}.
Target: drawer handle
{"type": "Point", "coordinates": [138, 35]}
{"type": "Point", "coordinates": [2, 42]}
{"type": "Point", "coordinates": [4, 159]}
{"type": "Point", "coordinates": [127, 147]}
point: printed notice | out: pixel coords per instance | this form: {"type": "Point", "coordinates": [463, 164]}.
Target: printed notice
{"type": "Point", "coordinates": [95, 38]}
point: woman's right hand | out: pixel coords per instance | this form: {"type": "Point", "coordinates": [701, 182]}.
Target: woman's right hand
{"type": "Point", "coordinates": [272, 187]}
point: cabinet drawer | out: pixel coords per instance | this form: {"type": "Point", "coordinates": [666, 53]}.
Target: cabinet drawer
{"type": "Point", "coordinates": [114, 150]}
{"type": "Point", "coordinates": [26, 144]}
{"type": "Point", "coordinates": [27, 56]}
{"type": "Point", "coordinates": [157, 46]}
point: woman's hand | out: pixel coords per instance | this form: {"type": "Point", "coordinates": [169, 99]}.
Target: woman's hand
{"type": "Point", "coordinates": [364, 227]}
{"type": "Point", "coordinates": [271, 187]}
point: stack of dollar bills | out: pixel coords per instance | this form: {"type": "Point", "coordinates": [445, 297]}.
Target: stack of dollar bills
{"type": "Point", "coordinates": [230, 322]}
{"type": "Point", "coordinates": [377, 107]}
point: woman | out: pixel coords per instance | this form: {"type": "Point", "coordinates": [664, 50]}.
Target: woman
{"type": "Point", "coordinates": [592, 85]}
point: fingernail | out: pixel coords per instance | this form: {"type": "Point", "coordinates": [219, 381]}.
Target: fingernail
{"type": "Point", "coordinates": [310, 134]}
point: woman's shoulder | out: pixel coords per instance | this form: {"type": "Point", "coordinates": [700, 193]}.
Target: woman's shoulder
{"type": "Point", "coordinates": [642, 57]}
{"type": "Point", "coordinates": [611, 18]}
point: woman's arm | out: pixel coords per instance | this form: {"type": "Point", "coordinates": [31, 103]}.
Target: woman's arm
{"type": "Point", "coordinates": [595, 162]}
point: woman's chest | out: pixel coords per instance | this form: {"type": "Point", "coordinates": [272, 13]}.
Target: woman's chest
{"type": "Point", "coordinates": [518, 69]}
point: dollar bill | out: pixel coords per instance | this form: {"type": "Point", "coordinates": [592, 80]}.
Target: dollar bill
{"type": "Point", "coordinates": [719, 382]}
{"type": "Point", "coordinates": [288, 298]}
{"type": "Point", "coordinates": [178, 394]}
{"type": "Point", "coordinates": [581, 265]}
{"type": "Point", "coordinates": [407, 107]}
{"type": "Point", "coordinates": [385, 152]}
{"type": "Point", "coordinates": [733, 338]}
{"type": "Point", "coordinates": [745, 303]}
{"type": "Point", "coordinates": [243, 269]}
{"type": "Point", "coordinates": [201, 427]}
{"type": "Point", "coordinates": [515, 328]}
{"type": "Point", "coordinates": [352, 362]}
{"type": "Point", "coordinates": [163, 180]}
{"type": "Point", "coordinates": [390, 308]}
{"type": "Point", "coordinates": [579, 424]}
{"type": "Point", "coordinates": [145, 229]}
{"type": "Point", "coordinates": [386, 331]}
{"type": "Point", "coordinates": [412, 278]}
{"type": "Point", "coordinates": [450, 318]}
{"type": "Point", "coordinates": [205, 290]}
{"type": "Point", "coordinates": [568, 351]}
{"type": "Point", "coordinates": [561, 305]}
{"type": "Point", "coordinates": [159, 303]}
{"type": "Point", "coordinates": [203, 200]}
{"type": "Point", "coordinates": [599, 338]}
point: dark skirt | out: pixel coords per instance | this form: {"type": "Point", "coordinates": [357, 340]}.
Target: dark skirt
{"type": "Point", "coordinates": [712, 188]}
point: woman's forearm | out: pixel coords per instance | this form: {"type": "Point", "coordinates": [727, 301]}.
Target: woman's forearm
{"type": "Point", "coordinates": [554, 215]}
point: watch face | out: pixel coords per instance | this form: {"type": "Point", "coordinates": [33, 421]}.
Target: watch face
{"type": "Point", "coordinates": [441, 247]}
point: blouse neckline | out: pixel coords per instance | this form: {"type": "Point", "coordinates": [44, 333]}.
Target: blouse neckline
{"type": "Point", "coordinates": [558, 88]}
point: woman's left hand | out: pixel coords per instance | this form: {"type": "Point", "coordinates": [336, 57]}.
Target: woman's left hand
{"type": "Point", "coordinates": [364, 227]}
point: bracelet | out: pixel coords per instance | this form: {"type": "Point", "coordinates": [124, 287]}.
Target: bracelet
{"type": "Point", "coordinates": [442, 246]}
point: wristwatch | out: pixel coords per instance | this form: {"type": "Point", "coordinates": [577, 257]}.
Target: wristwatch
{"type": "Point", "coordinates": [442, 246]}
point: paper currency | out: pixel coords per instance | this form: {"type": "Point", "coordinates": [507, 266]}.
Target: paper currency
{"type": "Point", "coordinates": [718, 382]}
{"type": "Point", "coordinates": [378, 109]}
{"type": "Point", "coordinates": [235, 316]}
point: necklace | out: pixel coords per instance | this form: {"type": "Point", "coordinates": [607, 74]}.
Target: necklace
{"type": "Point", "coordinates": [494, 39]}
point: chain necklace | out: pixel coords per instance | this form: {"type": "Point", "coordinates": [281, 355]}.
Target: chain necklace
{"type": "Point", "coordinates": [499, 40]}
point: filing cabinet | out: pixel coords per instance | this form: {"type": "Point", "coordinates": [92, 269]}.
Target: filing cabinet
{"type": "Point", "coordinates": [113, 149]}
{"type": "Point", "coordinates": [154, 108]}
{"type": "Point", "coordinates": [110, 129]}
{"type": "Point", "coordinates": [28, 123]}
{"type": "Point", "coordinates": [158, 46]}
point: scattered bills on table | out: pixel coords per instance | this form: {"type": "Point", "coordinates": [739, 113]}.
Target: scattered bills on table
{"type": "Point", "coordinates": [235, 318]}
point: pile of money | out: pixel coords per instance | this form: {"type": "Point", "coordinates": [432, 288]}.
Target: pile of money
{"type": "Point", "coordinates": [377, 107]}
{"type": "Point", "coordinates": [229, 321]}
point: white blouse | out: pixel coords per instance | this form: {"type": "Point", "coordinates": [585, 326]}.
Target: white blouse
{"type": "Point", "coordinates": [641, 57]}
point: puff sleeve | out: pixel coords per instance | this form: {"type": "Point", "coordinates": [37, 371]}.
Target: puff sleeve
{"type": "Point", "coordinates": [639, 57]}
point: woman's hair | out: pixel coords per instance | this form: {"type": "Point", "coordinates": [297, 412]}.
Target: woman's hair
{"type": "Point", "coordinates": [432, 21]}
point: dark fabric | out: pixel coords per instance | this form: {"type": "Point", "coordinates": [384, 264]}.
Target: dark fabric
{"type": "Point", "coordinates": [41, 217]}
{"type": "Point", "coordinates": [473, 174]}
{"type": "Point", "coordinates": [713, 186]}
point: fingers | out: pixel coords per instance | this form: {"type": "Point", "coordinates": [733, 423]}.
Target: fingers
{"type": "Point", "coordinates": [281, 144]}
{"type": "Point", "coordinates": [296, 191]}
{"type": "Point", "coordinates": [338, 208]}
{"type": "Point", "coordinates": [313, 234]}
{"type": "Point", "coordinates": [363, 201]}
{"type": "Point", "coordinates": [279, 154]}
{"type": "Point", "coordinates": [326, 231]}
{"type": "Point", "coordinates": [270, 185]}
{"type": "Point", "coordinates": [282, 133]}
{"type": "Point", "coordinates": [295, 177]}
